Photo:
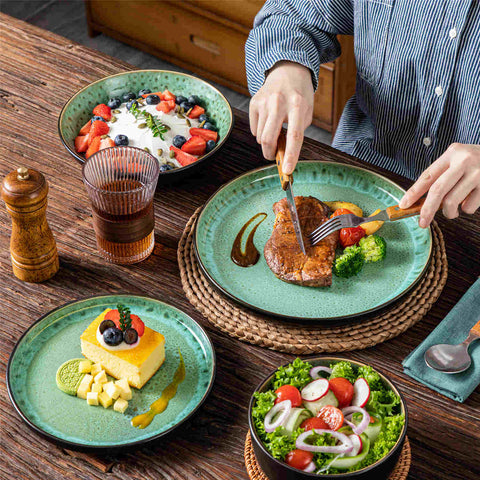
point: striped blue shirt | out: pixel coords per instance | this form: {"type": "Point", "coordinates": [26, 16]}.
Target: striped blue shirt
{"type": "Point", "coordinates": [418, 71]}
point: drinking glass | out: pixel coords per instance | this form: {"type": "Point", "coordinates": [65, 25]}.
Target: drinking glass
{"type": "Point", "coordinates": [121, 182]}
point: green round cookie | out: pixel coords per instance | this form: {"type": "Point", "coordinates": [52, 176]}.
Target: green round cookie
{"type": "Point", "coordinates": [68, 377]}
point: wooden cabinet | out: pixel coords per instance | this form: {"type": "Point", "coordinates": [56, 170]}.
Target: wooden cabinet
{"type": "Point", "coordinates": [208, 37]}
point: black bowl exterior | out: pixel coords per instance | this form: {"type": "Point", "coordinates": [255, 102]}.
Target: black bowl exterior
{"type": "Point", "coordinates": [278, 470]}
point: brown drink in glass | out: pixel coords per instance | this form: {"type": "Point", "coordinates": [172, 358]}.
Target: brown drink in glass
{"type": "Point", "coordinates": [121, 183]}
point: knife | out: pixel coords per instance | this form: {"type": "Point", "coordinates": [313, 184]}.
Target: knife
{"type": "Point", "coordinates": [286, 182]}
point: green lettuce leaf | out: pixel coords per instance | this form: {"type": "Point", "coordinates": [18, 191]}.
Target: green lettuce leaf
{"type": "Point", "coordinates": [343, 369]}
{"type": "Point", "coordinates": [296, 373]}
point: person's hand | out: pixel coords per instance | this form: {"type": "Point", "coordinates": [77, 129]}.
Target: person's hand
{"type": "Point", "coordinates": [453, 180]}
{"type": "Point", "coordinates": [286, 96]}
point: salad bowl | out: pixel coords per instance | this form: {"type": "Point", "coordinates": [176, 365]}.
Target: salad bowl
{"type": "Point", "coordinates": [78, 109]}
{"type": "Point", "coordinates": [272, 449]}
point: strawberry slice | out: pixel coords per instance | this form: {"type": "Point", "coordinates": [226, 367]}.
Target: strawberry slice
{"type": "Point", "coordinates": [106, 143]}
{"type": "Point", "coordinates": [166, 95]}
{"type": "Point", "coordinates": [166, 106]}
{"type": "Point", "coordinates": [197, 110]}
{"type": "Point", "coordinates": [137, 323]}
{"type": "Point", "coordinates": [183, 158]}
{"type": "Point", "coordinates": [81, 143]}
{"type": "Point", "coordinates": [195, 145]}
{"type": "Point", "coordinates": [159, 94]}
{"type": "Point", "coordinates": [103, 111]}
{"type": "Point", "coordinates": [94, 146]}
{"type": "Point", "coordinates": [204, 133]}
{"type": "Point", "coordinates": [98, 129]}
{"type": "Point", "coordinates": [86, 128]}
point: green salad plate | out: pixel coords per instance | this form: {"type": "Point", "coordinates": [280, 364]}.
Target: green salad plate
{"type": "Point", "coordinates": [69, 420]}
{"type": "Point", "coordinates": [378, 284]}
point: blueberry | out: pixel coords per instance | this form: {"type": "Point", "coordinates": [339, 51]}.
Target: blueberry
{"type": "Point", "coordinates": [130, 336]}
{"type": "Point", "coordinates": [194, 99]}
{"type": "Point", "coordinates": [187, 106]}
{"type": "Point", "coordinates": [144, 91]}
{"type": "Point", "coordinates": [128, 96]}
{"type": "Point", "coordinates": [106, 324]}
{"type": "Point", "coordinates": [121, 140]}
{"type": "Point", "coordinates": [96, 117]}
{"type": "Point", "coordinates": [113, 336]}
{"type": "Point", "coordinates": [178, 141]}
{"type": "Point", "coordinates": [210, 145]}
{"type": "Point", "coordinates": [180, 99]}
{"type": "Point", "coordinates": [203, 118]}
{"type": "Point", "coordinates": [210, 126]}
{"type": "Point", "coordinates": [166, 167]}
{"type": "Point", "coordinates": [153, 99]}
{"type": "Point", "coordinates": [114, 102]}
{"type": "Point", "coordinates": [131, 103]}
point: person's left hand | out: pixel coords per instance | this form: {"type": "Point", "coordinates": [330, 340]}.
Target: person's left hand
{"type": "Point", "coordinates": [453, 180]}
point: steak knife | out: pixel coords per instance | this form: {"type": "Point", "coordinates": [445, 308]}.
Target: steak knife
{"type": "Point", "coordinates": [286, 182]}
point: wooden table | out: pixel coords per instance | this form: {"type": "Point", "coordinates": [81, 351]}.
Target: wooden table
{"type": "Point", "coordinates": [40, 71]}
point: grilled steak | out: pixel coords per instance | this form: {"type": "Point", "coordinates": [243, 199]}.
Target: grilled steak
{"type": "Point", "coordinates": [282, 251]}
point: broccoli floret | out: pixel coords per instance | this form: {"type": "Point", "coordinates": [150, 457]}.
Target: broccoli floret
{"type": "Point", "coordinates": [373, 247]}
{"type": "Point", "coordinates": [349, 263]}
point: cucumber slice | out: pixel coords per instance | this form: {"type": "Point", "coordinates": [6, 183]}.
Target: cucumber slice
{"type": "Point", "coordinates": [344, 463]}
{"type": "Point", "coordinates": [296, 417]}
{"type": "Point", "coordinates": [373, 429]}
{"type": "Point", "coordinates": [328, 399]}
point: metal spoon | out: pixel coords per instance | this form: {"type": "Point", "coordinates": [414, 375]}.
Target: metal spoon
{"type": "Point", "coordinates": [452, 358]}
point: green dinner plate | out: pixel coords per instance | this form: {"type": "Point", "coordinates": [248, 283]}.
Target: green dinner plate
{"type": "Point", "coordinates": [378, 284]}
{"type": "Point", "coordinates": [55, 338]}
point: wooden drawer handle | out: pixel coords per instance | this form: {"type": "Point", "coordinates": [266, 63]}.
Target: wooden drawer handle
{"type": "Point", "coordinates": [205, 44]}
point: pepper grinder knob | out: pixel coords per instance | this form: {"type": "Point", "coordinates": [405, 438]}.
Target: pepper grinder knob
{"type": "Point", "coordinates": [32, 247]}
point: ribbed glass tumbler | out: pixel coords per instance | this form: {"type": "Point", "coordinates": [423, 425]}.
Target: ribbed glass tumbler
{"type": "Point", "coordinates": [121, 182]}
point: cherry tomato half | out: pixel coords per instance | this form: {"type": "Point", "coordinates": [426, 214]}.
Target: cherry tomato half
{"type": "Point", "coordinates": [340, 211]}
{"type": "Point", "coordinates": [348, 236]}
{"type": "Point", "coordinates": [298, 458]}
{"type": "Point", "coordinates": [289, 392]}
{"type": "Point", "coordinates": [332, 416]}
{"type": "Point", "coordinates": [343, 390]}
{"type": "Point", "coordinates": [314, 422]}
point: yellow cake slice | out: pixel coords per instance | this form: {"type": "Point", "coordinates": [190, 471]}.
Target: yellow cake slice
{"type": "Point", "coordinates": [136, 364]}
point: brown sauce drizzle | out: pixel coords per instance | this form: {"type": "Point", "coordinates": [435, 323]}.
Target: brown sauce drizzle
{"type": "Point", "coordinates": [249, 256]}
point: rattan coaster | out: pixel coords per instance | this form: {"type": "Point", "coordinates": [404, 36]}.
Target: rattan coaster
{"type": "Point", "coordinates": [254, 471]}
{"type": "Point", "coordinates": [299, 339]}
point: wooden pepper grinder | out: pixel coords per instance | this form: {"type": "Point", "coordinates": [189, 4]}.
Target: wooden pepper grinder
{"type": "Point", "coordinates": [32, 246]}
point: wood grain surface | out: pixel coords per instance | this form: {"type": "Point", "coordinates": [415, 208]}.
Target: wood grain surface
{"type": "Point", "coordinates": [39, 72]}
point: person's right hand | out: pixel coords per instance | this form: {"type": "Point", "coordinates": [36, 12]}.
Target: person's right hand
{"type": "Point", "coordinates": [286, 96]}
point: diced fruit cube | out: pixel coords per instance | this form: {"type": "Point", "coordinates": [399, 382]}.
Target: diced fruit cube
{"type": "Point", "coordinates": [120, 405]}
{"type": "Point", "coordinates": [196, 111]}
{"type": "Point", "coordinates": [166, 106]}
{"type": "Point", "coordinates": [98, 129]}
{"type": "Point", "coordinates": [195, 146]}
{"type": "Point", "coordinates": [96, 368]}
{"type": "Point", "coordinates": [126, 392]}
{"type": "Point", "coordinates": [105, 385]}
{"type": "Point", "coordinates": [81, 143]}
{"type": "Point", "coordinates": [85, 366]}
{"type": "Point", "coordinates": [104, 399]}
{"type": "Point", "coordinates": [86, 128]}
{"type": "Point", "coordinates": [94, 147]}
{"type": "Point", "coordinates": [183, 158]}
{"type": "Point", "coordinates": [101, 377]}
{"type": "Point", "coordinates": [92, 398]}
{"type": "Point", "coordinates": [103, 111]}
{"type": "Point", "coordinates": [204, 133]}
{"type": "Point", "coordinates": [166, 95]}
{"type": "Point", "coordinates": [84, 386]}
{"type": "Point", "coordinates": [112, 391]}
{"type": "Point", "coordinates": [97, 387]}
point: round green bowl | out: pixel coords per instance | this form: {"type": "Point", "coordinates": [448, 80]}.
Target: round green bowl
{"type": "Point", "coordinates": [78, 109]}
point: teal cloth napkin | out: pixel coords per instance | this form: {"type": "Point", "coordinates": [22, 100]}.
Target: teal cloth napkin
{"type": "Point", "coordinates": [452, 329]}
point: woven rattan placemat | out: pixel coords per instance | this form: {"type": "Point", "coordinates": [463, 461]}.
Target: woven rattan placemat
{"type": "Point", "coordinates": [300, 339]}
{"type": "Point", "coordinates": [255, 472]}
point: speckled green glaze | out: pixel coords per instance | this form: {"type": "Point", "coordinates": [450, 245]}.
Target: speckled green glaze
{"type": "Point", "coordinates": [56, 338]}
{"type": "Point", "coordinates": [408, 246]}
{"type": "Point", "coordinates": [79, 108]}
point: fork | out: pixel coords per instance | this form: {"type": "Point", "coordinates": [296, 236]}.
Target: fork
{"type": "Point", "coordinates": [350, 220]}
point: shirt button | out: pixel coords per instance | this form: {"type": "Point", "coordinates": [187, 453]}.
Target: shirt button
{"type": "Point", "coordinates": [439, 90]}
{"type": "Point", "coordinates": [427, 141]}
{"type": "Point", "coordinates": [452, 33]}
